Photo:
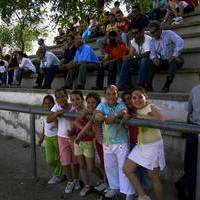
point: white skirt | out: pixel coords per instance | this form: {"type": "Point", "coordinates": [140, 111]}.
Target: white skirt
{"type": "Point", "coordinates": [149, 156]}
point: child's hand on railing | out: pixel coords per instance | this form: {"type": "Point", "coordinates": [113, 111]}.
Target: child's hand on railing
{"type": "Point", "coordinates": [110, 119]}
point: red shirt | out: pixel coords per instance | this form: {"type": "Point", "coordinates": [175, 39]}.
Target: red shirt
{"type": "Point", "coordinates": [85, 137]}
{"type": "Point", "coordinates": [123, 26]}
{"type": "Point", "coordinates": [117, 52]}
{"type": "Point", "coordinates": [133, 129]}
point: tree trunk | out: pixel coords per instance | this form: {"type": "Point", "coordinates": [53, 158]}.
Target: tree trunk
{"type": "Point", "coordinates": [100, 6]}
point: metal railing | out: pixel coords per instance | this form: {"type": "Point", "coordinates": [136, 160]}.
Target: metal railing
{"type": "Point", "coordinates": [165, 125]}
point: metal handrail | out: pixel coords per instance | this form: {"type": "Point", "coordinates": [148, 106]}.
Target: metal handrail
{"type": "Point", "coordinates": [166, 125]}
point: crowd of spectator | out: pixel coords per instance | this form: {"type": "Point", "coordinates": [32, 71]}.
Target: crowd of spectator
{"type": "Point", "coordinates": [136, 43]}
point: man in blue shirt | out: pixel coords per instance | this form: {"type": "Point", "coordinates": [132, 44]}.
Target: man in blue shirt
{"type": "Point", "coordinates": [84, 60]}
{"type": "Point", "coordinates": [165, 52]}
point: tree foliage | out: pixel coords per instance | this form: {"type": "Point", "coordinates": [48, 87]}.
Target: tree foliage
{"type": "Point", "coordinates": [65, 10]}
{"type": "Point", "coordinates": [22, 18]}
{"type": "Point", "coordinates": [5, 36]}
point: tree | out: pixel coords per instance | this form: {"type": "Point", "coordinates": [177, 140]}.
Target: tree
{"type": "Point", "coordinates": [65, 10]}
{"type": "Point", "coordinates": [23, 17]}
{"type": "Point", "coordinates": [5, 36]}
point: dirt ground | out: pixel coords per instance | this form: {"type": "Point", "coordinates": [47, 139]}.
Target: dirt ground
{"type": "Point", "coordinates": [16, 182]}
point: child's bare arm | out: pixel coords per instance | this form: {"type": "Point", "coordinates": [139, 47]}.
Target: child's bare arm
{"type": "Point", "coordinates": [99, 116]}
{"type": "Point", "coordinates": [83, 131]}
{"type": "Point", "coordinates": [76, 121]}
{"type": "Point", "coordinates": [53, 116]}
{"type": "Point", "coordinates": [41, 137]}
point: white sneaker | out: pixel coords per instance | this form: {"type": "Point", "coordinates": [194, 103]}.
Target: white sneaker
{"type": "Point", "coordinates": [85, 190]}
{"type": "Point", "coordinates": [101, 187]}
{"type": "Point", "coordinates": [145, 197]}
{"type": "Point", "coordinates": [111, 193]}
{"type": "Point", "coordinates": [54, 180]}
{"type": "Point", "coordinates": [69, 188]}
{"type": "Point", "coordinates": [177, 19]}
{"type": "Point", "coordinates": [77, 184]}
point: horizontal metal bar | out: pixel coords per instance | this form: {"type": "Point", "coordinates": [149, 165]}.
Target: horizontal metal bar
{"type": "Point", "coordinates": [166, 125]}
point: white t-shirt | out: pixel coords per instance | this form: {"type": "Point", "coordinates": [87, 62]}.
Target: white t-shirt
{"type": "Point", "coordinates": [63, 123]}
{"type": "Point", "coordinates": [4, 67]}
{"type": "Point", "coordinates": [50, 129]}
{"type": "Point", "coordinates": [27, 63]}
{"type": "Point", "coordinates": [145, 47]}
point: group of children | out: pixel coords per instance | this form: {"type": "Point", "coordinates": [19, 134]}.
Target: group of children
{"type": "Point", "coordinates": [70, 143]}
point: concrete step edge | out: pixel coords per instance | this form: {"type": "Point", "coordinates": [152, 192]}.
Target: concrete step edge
{"type": "Point", "coordinates": [172, 96]}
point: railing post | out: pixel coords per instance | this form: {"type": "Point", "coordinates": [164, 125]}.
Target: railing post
{"type": "Point", "coordinates": [33, 146]}
{"type": "Point", "coordinates": [198, 171]}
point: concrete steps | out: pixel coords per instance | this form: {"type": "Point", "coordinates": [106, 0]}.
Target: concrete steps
{"type": "Point", "coordinates": [189, 30]}
{"type": "Point", "coordinates": [187, 76]}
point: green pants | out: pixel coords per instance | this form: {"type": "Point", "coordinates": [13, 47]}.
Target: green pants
{"type": "Point", "coordinates": [52, 154]}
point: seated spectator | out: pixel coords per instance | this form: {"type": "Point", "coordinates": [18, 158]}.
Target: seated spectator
{"type": "Point", "coordinates": [91, 29]}
{"type": "Point", "coordinates": [12, 68]}
{"type": "Point", "coordinates": [3, 72]}
{"type": "Point", "coordinates": [48, 68]}
{"type": "Point", "coordinates": [137, 18]}
{"type": "Point", "coordinates": [9, 74]}
{"type": "Point", "coordinates": [42, 44]}
{"type": "Point", "coordinates": [76, 24]}
{"type": "Point", "coordinates": [159, 9]}
{"type": "Point", "coordinates": [176, 10]}
{"type": "Point", "coordinates": [59, 39]}
{"type": "Point", "coordinates": [102, 23]}
{"type": "Point", "coordinates": [115, 8]}
{"type": "Point", "coordinates": [85, 59]}
{"type": "Point", "coordinates": [115, 52]}
{"type": "Point", "coordinates": [123, 25]}
{"type": "Point", "coordinates": [69, 53]}
{"type": "Point", "coordinates": [111, 26]}
{"type": "Point", "coordinates": [166, 47]}
{"type": "Point", "coordinates": [138, 59]}
{"type": "Point", "coordinates": [26, 67]}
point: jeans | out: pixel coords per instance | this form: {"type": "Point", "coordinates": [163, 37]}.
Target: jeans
{"type": "Point", "coordinates": [125, 75]}
{"type": "Point", "coordinates": [10, 76]}
{"type": "Point", "coordinates": [21, 72]}
{"type": "Point", "coordinates": [171, 68]}
{"type": "Point", "coordinates": [3, 77]}
{"type": "Point", "coordinates": [48, 76]}
{"type": "Point", "coordinates": [113, 66]}
{"type": "Point", "coordinates": [187, 183]}
{"type": "Point", "coordinates": [81, 73]}
{"type": "Point", "coordinates": [124, 37]}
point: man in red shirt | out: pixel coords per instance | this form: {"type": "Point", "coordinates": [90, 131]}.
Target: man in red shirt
{"type": "Point", "coordinates": [115, 51]}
